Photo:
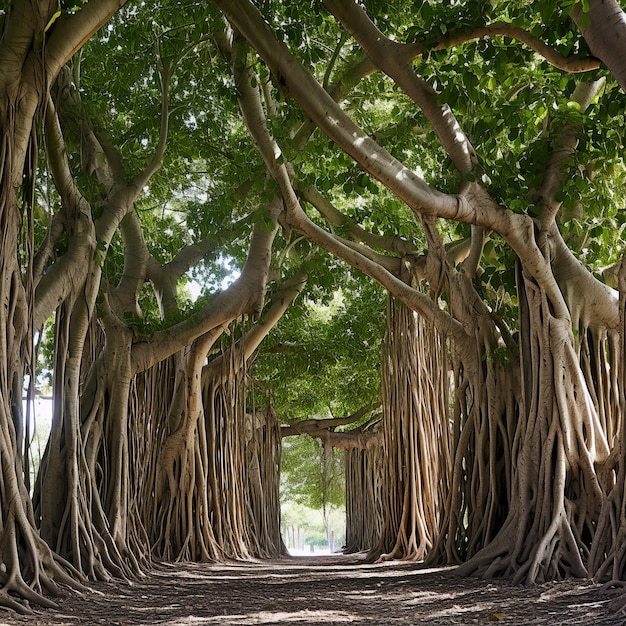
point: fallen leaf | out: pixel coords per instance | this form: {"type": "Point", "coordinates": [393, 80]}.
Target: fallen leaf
{"type": "Point", "coordinates": [495, 617]}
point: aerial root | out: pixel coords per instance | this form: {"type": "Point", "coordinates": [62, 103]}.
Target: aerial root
{"type": "Point", "coordinates": [10, 603]}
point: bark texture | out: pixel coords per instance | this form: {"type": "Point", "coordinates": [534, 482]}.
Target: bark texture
{"type": "Point", "coordinates": [416, 435]}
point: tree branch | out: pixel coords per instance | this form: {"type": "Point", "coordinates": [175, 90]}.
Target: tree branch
{"type": "Point", "coordinates": [392, 59]}
{"type": "Point", "coordinates": [312, 425]}
{"type": "Point", "coordinates": [68, 274]}
{"type": "Point", "coordinates": [252, 111]}
{"type": "Point", "coordinates": [571, 64]}
{"type": "Point", "coordinates": [156, 162]}
{"type": "Point", "coordinates": [331, 119]}
{"type": "Point", "coordinates": [58, 163]}
{"type": "Point", "coordinates": [281, 301]}
{"type": "Point", "coordinates": [324, 429]}
{"type": "Point", "coordinates": [125, 297]}
{"type": "Point", "coordinates": [564, 146]}
{"type": "Point", "coordinates": [244, 296]}
{"type": "Point", "coordinates": [109, 169]}
{"type": "Point", "coordinates": [604, 30]}
{"type": "Point", "coordinates": [333, 216]}
{"type": "Point", "coordinates": [70, 32]}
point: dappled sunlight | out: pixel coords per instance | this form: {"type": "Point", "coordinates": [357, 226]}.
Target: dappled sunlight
{"type": "Point", "coordinates": [266, 617]}
{"type": "Point", "coordinates": [338, 589]}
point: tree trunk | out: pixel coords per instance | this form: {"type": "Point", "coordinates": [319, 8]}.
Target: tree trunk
{"type": "Point", "coordinates": [556, 497]}
{"type": "Point", "coordinates": [67, 499]}
{"type": "Point", "coordinates": [177, 506]}
{"type": "Point", "coordinates": [262, 470]}
{"type": "Point", "coordinates": [416, 435]}
{"type": "Point", "coordinates": [364, 497]}
{"type": "Point", "coordinates": [29, 566]}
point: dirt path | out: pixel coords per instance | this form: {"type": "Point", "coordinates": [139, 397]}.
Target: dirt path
{"type": "Point", "coordinates": [327, 590]}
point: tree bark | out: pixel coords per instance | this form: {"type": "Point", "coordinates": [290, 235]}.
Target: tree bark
{"type": "Point", "coordinates": [25, 76]}
{"type": "Point", "coordinates": [604, 29]}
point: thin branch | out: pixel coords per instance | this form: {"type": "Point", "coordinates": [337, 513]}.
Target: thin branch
{"type": "Point", "coordinates": [244, 296]}
{"type": "Point", "coordinates": [156, 162]}
{"type": "Point", "coordinates": [564, 146]}
{"type": "Point", "coordinates": [397, 245]}
{"type": "Point", "coordinates": [281, 301]}
{"type": "Point", "coordinates": [56, 151]}
{"type": "Point", "coordinates": [572, 64]}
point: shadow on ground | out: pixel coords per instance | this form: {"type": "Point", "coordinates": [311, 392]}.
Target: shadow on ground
{"type": "Point", "coordinates": [323, 590]}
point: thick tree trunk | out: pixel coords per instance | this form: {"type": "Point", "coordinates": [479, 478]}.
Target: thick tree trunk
{"type": "Point", "coordinates": [224, 399]}
{"type": "Point", "coordinates": [556, 497]}
{"type": "Point", "coordinates": [67, 499]}
{"type": "Point", "coordinates": [416, 435]}
{"type": "Point", "coordinates": [29, 566]}
{"type": "Point", "coordinates": [263, 445]}
{"type": "Point", "coordinates": [106, 434]}
{"type": "Point", "coordinates": [177, 510]}
{"type": "Point", "coordinates": [484, 419]}
{"type": "Point", "coordinates": [200, 442]}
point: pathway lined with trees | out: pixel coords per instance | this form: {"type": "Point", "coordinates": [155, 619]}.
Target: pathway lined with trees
{"type": "Point", "coordinates": [405, 224]}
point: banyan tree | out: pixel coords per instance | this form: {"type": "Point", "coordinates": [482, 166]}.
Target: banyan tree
{"type": "Point", "coordinates": [554, 431]}
{"type": "Point", "coordinates": [170, 182]}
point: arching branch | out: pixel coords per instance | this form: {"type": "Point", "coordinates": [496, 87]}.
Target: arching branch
{"type": "Point", "coordinates": [573, 63]}
{"type": "Point", "coordinates": [397, 245]}
{"type": "Point", "coordinates": [324, 429]}
{"type": "Point", "coordinates": [70, 32]}
{"type": "Point", "coordinates": [244, 296]}
{"type": "Point", "coordinates": [390, 57]}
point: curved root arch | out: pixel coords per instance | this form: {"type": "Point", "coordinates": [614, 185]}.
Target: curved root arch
{"type": "Point", "coordinates": [416, 434]}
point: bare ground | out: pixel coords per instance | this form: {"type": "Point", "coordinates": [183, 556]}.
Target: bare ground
{"type": "Point", "coordinates": [323, 590]}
